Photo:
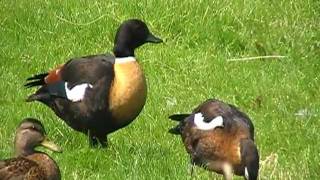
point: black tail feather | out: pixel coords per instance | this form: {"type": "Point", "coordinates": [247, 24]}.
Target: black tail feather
{"type": "Point", "coordinates": [37, 76]}
{"type": "Point", "coordinates": [177, 130]}
{"type": "Point", "coordinates": [178, 117]}
{"type": "Point", "coordinates": [34, 83]}
{"type": "Point", "coordinates": [36, 80]}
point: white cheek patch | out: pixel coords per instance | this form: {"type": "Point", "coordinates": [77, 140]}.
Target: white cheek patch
{"type": "Point", "coordinates": [124, 60]}
{"type": "Point", "coordinates": [77, 92]}
{"type": "Point", "coordinates": [215, 122]}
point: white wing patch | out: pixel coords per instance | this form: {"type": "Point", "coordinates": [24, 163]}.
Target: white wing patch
{"type": "Point", "coordinates": [215, 122]}
{"type": "Point", "coordinates": [77, 92]}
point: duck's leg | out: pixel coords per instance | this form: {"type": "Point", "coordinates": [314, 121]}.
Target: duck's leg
{"type": "Point", "coordinates": [227, 171]}
{"type": "Point", "coordinates": [103, 142]}
{"type": "Point", "coordinates": [93, 141]}
{"type": "Point", "coordinates": [216, 166]}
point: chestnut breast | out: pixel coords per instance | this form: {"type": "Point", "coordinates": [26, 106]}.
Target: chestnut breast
{"type": "Point", "coordinates": [128, 92]}
{"type": "Point", "coordinates": [219, 144]}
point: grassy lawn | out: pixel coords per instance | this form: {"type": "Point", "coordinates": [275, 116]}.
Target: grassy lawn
{"type": "Point", "coordinates": [280, 95]}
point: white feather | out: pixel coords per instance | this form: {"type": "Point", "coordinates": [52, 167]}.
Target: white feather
{"type": "Point", "coordinates": [246, 174]}
{"type": "Point", "coordinates": [125, 60]}
{"type": "Point", "coordinates": [215, 122]}
{"type": "Point", "coordinates": [77, 92]}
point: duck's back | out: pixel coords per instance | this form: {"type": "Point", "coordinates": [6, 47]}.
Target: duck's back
{"type": "Point", "coordinates": [47, 164]}
{"type": "Point", "coordinates": [88, 69]}
{"type": "Point", "coordinates": [214, 107]}
{"type": "Point", "coordinates": [20, 168]}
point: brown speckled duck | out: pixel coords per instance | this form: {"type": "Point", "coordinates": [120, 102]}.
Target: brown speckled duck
{"type": "Point", "coordinates": [220, 138]}
{"type": "Point", "coordinates": [30, 164]}
{"type": "Point", "coordinates": [98, 94]}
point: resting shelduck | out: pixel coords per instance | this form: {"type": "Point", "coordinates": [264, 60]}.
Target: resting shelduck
{"type": "Point", "coordinates": [220, 138]}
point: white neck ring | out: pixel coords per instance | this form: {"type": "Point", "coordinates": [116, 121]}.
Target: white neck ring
{"type": "Point", "coordinates": [125, 60]}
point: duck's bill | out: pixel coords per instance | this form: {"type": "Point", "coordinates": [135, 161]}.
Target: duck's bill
{"type": "Point", "coordinates": [153, 39]}
{"type": "Point", "coordinates": [50, 145]}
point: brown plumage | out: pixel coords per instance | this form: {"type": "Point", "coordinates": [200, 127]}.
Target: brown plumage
{"type": "Point", "coordinates": [28, 163]}
{"type": "Point", "coordinates": [220, 138]}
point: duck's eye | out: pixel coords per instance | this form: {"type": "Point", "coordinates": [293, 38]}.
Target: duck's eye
{"type": "Point", "coordinates": [33, 128]}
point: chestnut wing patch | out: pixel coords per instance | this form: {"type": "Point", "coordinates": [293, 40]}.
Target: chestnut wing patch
{"type": "Point", "coordinates": [53, 75]}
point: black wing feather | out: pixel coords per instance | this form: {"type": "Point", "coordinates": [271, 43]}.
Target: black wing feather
{"type": "Point", "coordinates": [178, 117]}
{"type": "Point", "coordinates": [35, 80]}
{"type": "Point", "coordinates": [37, 76]}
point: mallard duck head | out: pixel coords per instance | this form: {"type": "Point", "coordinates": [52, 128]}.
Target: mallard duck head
{"type": "Point", "coordinates": [30, 134]}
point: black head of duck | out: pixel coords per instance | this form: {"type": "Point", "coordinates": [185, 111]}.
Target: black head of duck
{"type": "Point", "coordinates": [29, 163]}
{"type": "Point", "coordinates": [219, 137]}
{"type": "Point", "coordinates": [130, 35]}
{"type": "Point", "coordinates": [98, 94]}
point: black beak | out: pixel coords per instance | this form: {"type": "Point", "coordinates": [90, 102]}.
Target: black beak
{"type": "Point", "coordinates": [152, 39]}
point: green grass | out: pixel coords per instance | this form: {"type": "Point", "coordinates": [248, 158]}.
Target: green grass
{"type": "Point", "coordinates": [188, 68]}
